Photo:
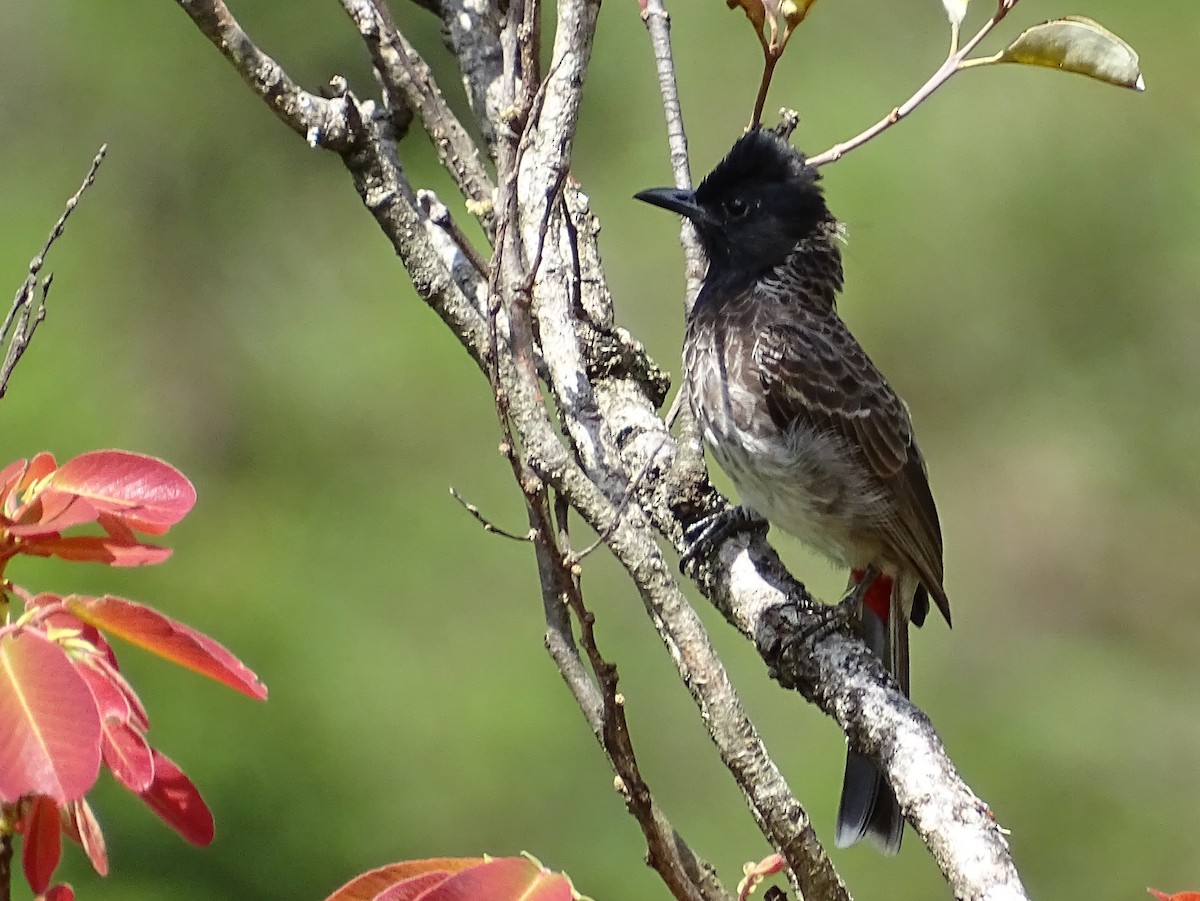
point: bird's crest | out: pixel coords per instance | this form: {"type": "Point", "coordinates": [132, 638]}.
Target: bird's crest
{"type": "Point", "coordinates": [759, 157]}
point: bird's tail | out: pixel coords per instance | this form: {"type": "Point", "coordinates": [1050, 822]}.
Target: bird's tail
{"type": "Point", "coordinates": [868, 807]}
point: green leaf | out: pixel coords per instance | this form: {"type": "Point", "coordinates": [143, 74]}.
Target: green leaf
{"type": "Point", "coordinates": [1074, 44]}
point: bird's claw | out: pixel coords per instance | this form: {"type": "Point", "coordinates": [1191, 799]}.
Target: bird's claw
{"type": "Point", "coordinates": [705, 535]}
{"type": "Point", "coordinates": [845, 614]}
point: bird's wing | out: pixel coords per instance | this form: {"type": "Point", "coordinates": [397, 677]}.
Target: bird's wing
{"type": "Point", "coordinates": [815, 374]}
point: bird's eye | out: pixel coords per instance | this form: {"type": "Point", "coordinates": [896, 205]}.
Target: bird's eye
{"type": "Point", "coordinates": [736, 207]}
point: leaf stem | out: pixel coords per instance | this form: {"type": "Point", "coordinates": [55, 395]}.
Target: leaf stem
{"type": "Point", "coordinates": [770, 59]}
{"type": "Point", "coordinates": [954, 62]}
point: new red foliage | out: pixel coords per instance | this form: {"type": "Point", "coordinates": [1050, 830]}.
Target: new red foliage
{"type": "Point", "coordinates": [64, 705]}
{"type": "Point", "coordinates": [459, 879]}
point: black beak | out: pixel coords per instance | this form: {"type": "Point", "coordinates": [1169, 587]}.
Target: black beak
{"type": "Point", "coordinates": [676, 200]}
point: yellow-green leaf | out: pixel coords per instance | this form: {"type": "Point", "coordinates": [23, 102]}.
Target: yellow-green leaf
{"type": "Point", "coordinates": [1075, 44]}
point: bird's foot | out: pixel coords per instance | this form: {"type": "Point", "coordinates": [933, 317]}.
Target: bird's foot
{"type": "Point", "coordinates": [847, 613]}
{"type": "Point", "coordinates": [705, 535]}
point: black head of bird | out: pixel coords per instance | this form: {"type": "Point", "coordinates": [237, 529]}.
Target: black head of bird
{"type": "Point", "coordinates": [754, 208]}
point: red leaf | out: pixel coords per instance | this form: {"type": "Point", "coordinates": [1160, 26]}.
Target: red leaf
{"type": "Point", "coordinates": [370, 885]}
{"type": "Point", "coordinates": [43, 843]}
{"type": "Point", "coordinates": [504, 879]}
{"type": "Point", "coordinates": [49, 725]}
{"type": "Point", "coordinates": [149, 494]}
{"type": "Point", "coordinates": [9, 476]}
{"type": "Point", "coordinates": [110, 700]}
{"type": "Point", "coordinates": [61, 892]}
{"type": "Point", "coordinates": [39, 467]}
{"type": "Point", "coordinates": [97, 549]}
{"type": "Point", "coordinates": [128, 756]}
{"type": "Point", "coordinates": [51, 512]}
{"type": "Point", "coordinates": [60, 619]}
{"type": "Point", "coordinates": [114, 696]}
{"type": "Point", "coordinates": [87, 832]}
{"type": "Point", "coordinates": [412, 889]}
{"type": "Point", "coordinates": [168, 638]}
{"type": "Point", "coordinates": [138, 716]}
{"type": "Point", "coordinates": [174, 798]}
{"type": "Point", "coordinates": [1181, 896]}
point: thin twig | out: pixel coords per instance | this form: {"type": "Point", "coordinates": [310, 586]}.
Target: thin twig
{"type": "Point", "coordinates": [658, 23]}
{"type": "Point", "coordinates": [439, 215]}
{"type": "Point", "coordinates": [319, 121]}
{"type": "Point", "coordinates": [28, 309]}
{"type": "Point", "coordinates": [631, 492]}
{"type": "Point", "coordinates": [488, 525]}
{"type": "Point", "coordinates": [947, 69]}
{"type": "Point", "coordinates": [402, 71]}
{"type": "Point", "coordinates": [684, 874]}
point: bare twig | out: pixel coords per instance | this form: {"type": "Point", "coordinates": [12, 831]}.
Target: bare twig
{"type": "Point", "coordinates": [439, 215]}
{"type": "Point", "coordinates": [29, 305]}
{"type": "Point", "coordinates": [658, 23]}
{"type": "Point", "coordinates": [687, 877]}
{"type": "Point", "coordinates": [488, 525]}
{"type": "Point", "coordinates": [319, 121]}
{"type": "Point", "coordinates": [402, 71]}
{"type": "Point", "coordinates": [952, 65]}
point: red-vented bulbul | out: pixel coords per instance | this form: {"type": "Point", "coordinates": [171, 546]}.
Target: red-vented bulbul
{"type": "Point", "coordinates": [810, 432]}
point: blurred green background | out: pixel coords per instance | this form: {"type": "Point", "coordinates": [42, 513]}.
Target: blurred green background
{"type": "Point", "coordinates": [1022, 263]}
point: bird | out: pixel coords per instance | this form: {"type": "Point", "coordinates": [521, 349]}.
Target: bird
{"type": "Point", "coordinates": [805, 425]}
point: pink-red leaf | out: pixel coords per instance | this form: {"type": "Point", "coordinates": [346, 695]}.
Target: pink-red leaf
{"type": "Point", "coordinates": [52, 512]}
{"type": "Point", "coordinates": [128, 755]}
{"type": "Point", "coordinates": [412, 889]}
{"type": "Point", "coordinates": [86, 830]}
{"type": "Point", "coordinates": [370, 885]}
{"type": "Point", "coordinates": [138, 716]}
{"type": "Point", "coordinates": [504, 879]}
{"type": "Point", "coordinates": [110, 700]}
{"type": "Point", "coordinates": [10, 475]}
{"type": "Point", "coordinates": [60, 892]}
{"type": "Point", "coordinates": [1181, 896]}
{"type": "Point", "coordinates": [43, 843]}
{"type": "Point", "coordinates": [14, 499]}
{"type": "Point", "coordinates": [52, 617]}
{"type": "Point", "coordinates": [97, 549]}
{"type": "Point", "coordinates": [49, 725]}
{"type": "Point", "coordinates": [168, 638]}
{"type": "Point", "coordinates": [174, 798]}
{"type": "Point", "coordinates": [149, 494]}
